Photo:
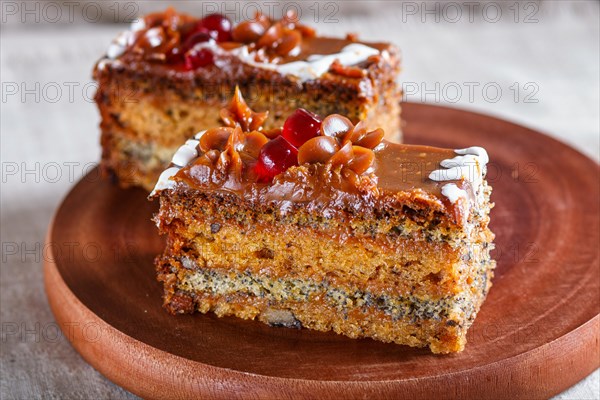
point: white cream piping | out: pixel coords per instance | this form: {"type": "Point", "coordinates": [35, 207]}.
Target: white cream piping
{"type": "Point", "coordinates": [181, 158]}
{"type": "Point", "coordinates": [165, 181]}
{"type": "Point", "coordinates": [469, 165]}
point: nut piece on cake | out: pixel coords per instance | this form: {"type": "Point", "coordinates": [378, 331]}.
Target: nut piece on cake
{"type": "Point", "coordinates": [170, 74]}
{"type": "Point", "coordinates": [326, 225]}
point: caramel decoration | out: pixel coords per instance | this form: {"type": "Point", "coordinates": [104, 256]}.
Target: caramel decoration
{"type": "Point", "coordinates": [169, 19]}
{"type": "Point", "coordinates": [342, 157]}
{"type": "Point", "coordinates": [163, 38]}
{"type": "Point", "coordinates": [362, 159]}
{"type": "Point", "coordinates": [226, 152]}
{"type": "Point", "coordinates": [293, 23]}
{"type": "Point", "coordinates": [248, 31]}
{"type": "Point", "coordinates": [356, 143]}
{"type": "Point", "coordinates": [230, 45]}
{"type": "Point", "coordinates": [155, 43]}
{"type": "Point", "coordinates": [348, 71]}
{"type": "Point", "coordinates": [239, 114]}
{"type": "Point", "coordinates": [317, 150]}
{"type": "Point", "coordinates": [161, 35]}
{"type": "Point", "coordinates": [356, 133]}
{"type": "Point", "coordinates": [279, 41]}
{"type": "Point", "coordinates": [336, 125]}
{"type": "Point", "coordinates": [229, 156]}
{"type": "Point", "coordinates": [215, 139]}
{"type": "Point", "coordinates": [371, 139]}
{"type": "Point", "coordinates": [285, 36]}
{"type": "Point", "coordinates": [352, 37]}
{"type": "Point", "coordinates": [361, 137]}
{"type": "Point", "coordinates": [255, 140]}
{"type": "Point", "coordinates": [212, 155]}
{"type": "Point", "coordinates": [272, 133]}
{"type": "Point", "coordinates": [235, 143]}
{"type": "Point", "coordinates": [289, 42]}
{"type": "Point", "coordinates": [271, 36]}
{"type": "Point", "coordinates": [222, 165]}
{"type": "Point", "coordinates": [262, 19]}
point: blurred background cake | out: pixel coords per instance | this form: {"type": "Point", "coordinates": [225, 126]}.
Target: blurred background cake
{"type": "Point", "coordinates": [171, 73]}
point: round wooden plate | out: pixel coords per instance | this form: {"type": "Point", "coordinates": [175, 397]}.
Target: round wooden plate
{"type": "Point", "coordinates": [536, 334]}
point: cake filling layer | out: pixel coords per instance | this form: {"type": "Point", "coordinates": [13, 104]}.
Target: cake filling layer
{"type": "Point", "coordinates": [224, 283]}
{"type": "Point", "coordinates": [413, 268]}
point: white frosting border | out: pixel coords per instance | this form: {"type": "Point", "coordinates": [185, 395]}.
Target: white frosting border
{"type": "Point", "coordinates": [470, 165]}
{"type": "Point", "coordinates": [181, 158]}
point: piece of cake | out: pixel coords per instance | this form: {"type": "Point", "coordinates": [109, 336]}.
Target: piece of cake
{"type": "Point", "coordinates": [326, 226]}
{"type": "Point", "coordinates": [170, 74]}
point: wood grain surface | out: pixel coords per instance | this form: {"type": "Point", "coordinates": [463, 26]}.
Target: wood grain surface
{"type": "Point", "coordinates": [536, 334]}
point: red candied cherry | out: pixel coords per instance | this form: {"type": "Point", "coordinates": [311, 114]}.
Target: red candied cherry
{"type": "Point", "coordinates": [201, 36]}
{"type": "Point", "coordinates": [196, 58]}
{"type": "Point", "coordinates": [175, 56]}
{"type": "Point", "coordinates": [275, 157]}
{"type": "Point", "coordinates": [301, 126]}
{"type": "Point", "coordinates": [220, 24]}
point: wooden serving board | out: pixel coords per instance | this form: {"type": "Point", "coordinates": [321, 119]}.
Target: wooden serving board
{"type": "Point", "coordinates": [536, 335]}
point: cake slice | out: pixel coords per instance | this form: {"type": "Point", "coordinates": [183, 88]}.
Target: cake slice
{"type": "Point", "coordinates": [170, 74]}
{"type": "Point", "coordinates": [326, 225]}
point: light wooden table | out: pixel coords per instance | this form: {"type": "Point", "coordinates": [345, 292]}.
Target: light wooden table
{"type": "Point", "coordinates": [546, 71]}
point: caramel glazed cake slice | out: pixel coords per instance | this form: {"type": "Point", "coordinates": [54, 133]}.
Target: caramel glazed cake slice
{"type": "Point", "coordinates": [327, 226]}
{"type": "Point", "coordinates": [169, 75]}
